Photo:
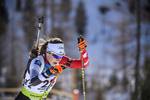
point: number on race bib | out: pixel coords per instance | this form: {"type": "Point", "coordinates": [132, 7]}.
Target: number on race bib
{"type": "Point", "coordinates": [46, 82]}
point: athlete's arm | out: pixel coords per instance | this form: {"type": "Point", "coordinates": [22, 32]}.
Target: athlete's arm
{"type": "Point", "coordinates": [35, 75]}
{"type": "Point", "coordinates": [76, 63]}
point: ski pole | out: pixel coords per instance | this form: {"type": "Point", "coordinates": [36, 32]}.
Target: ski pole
{"type": "Point", "coordinates": [34, 50]}
{"type": "Point", "coordinates": [83, 78]}
{"type": "Point", "coordinates": [49, 86]}
{"type": "Point", "coordinates": [40, 21]}
{"type": "Point", "coordinates": [51, 82]}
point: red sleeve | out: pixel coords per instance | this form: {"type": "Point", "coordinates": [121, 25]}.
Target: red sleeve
{"type": "Point", "coordinates": [76, 63]}
{"type": "Point", "coordinates": [85, 57]}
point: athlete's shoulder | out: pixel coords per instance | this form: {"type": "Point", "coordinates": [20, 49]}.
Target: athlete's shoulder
{"type": "Point", "coordinates": [38, 61]}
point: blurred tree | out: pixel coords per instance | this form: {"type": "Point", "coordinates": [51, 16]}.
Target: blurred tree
{"type": "Point", "coordinates": [144, 87]}
{"type": "Point", "coordinates": [125, 82]}
{"type": "Point", "coordinates": [3, 17]}
{"type": "Point", "coordinates": [29, 22]}
{"type": "Point", "coordinates": [57, 32]}
{"type": "Point", "coordinates": [80, 19]}
{"type": "Point", "coordinates": [44, 6]}
{"type": "Point", "coordinates": [124, 51]}
{"type": "Point", "coordinates": [99, 94]}
{"type": "Point", "coordinates": [131, 6]}
{"type": "Point", "coordinates": [103, 10]}
{"type": "Point", "coordinates": [113, 80]}
{"type": "Point", "coordinates": [52, 9]}
{"type": "Point", "coordinates": [3, 36]}
{"type": "Point", "coordinates": [18, 5]}
{"type": "Point", "coordinates": [13, 79]}
{"type": "Point", "coordinates": [138, 52]}
{"type": "Point", "coordinates": [60, 16]}
{"type": "Point", "coordinates": [147, 5]}
{"type": "Point", "coordinates": [66, 8]}
{"type": "Point", "coordinates": [124, 40]}
{"type": "Point", "coordinates": [145, 11]}
{"type": "Point", "coordinates": [59, 23]}
{"type": "Point", "coordinates": [140, 9]}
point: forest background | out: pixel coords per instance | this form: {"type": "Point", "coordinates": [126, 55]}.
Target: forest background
{"type": "Point", "coordinates": [118, 37]}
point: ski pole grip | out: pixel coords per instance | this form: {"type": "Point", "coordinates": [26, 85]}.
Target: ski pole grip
{"type": "Point", "coordinates": [80, 40]}
{"type": "Point", "coordinates": [41, 20]}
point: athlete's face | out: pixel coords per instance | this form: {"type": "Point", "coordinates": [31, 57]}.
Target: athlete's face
{"type": "Point", "coordinates": [53, 59]}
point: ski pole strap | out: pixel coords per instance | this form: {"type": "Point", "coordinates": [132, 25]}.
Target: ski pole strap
{"type": "Point", "coordinates": [33, 95]}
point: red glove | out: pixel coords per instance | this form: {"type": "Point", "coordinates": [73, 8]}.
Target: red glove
{"type": "Point", "coordinates": [58, 69]}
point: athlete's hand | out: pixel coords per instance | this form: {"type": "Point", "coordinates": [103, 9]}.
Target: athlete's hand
{"type": "Point", "coordinates": [81, 43]}
{"type": "Point", "coordinates": [58, 69]}
{"type": "Point", "coordinates": [63, 66]}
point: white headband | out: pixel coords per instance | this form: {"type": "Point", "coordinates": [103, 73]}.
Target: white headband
{"type": "Point", "coordinates": [56, 48]}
